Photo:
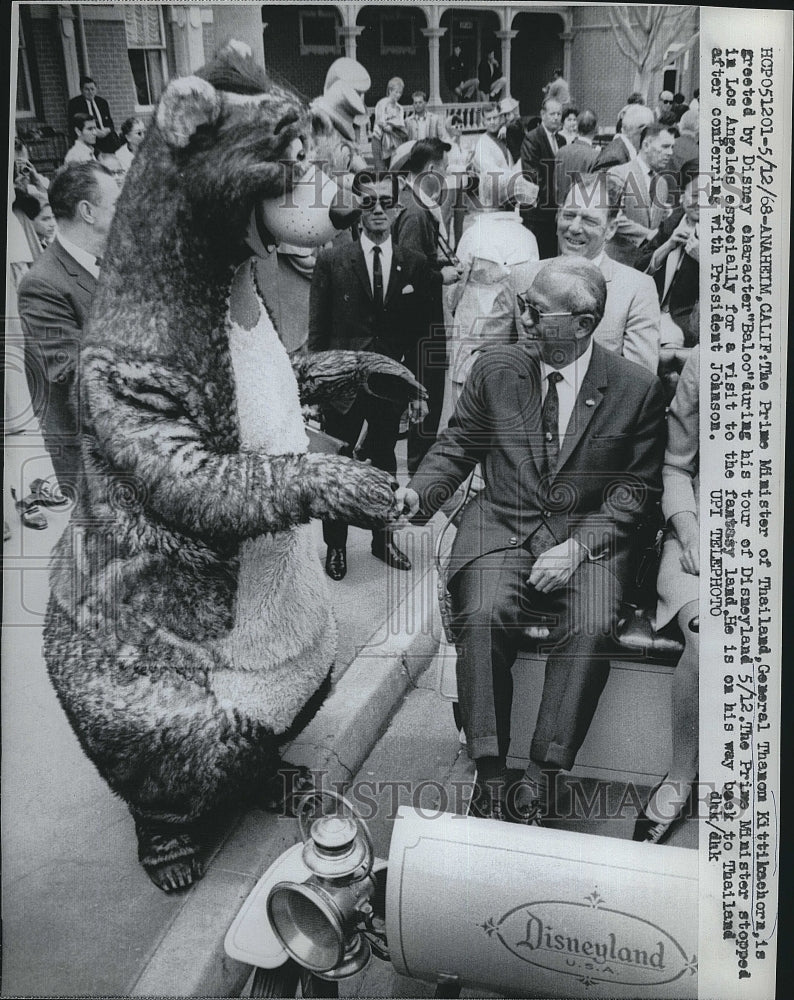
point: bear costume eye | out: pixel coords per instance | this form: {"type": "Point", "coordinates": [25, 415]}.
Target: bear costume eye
{"type": "Point", "coordinates": [289, 119]}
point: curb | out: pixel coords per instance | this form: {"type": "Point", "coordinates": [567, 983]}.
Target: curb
{"type": "Point", "coordinates": [189, 959]}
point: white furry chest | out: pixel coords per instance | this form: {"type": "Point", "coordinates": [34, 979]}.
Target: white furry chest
{"type": "Point", "coordinates": [268, 405]}
{"type": "Point", "coordinates": [283, 640]}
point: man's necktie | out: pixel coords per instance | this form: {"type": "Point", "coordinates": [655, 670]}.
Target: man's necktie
{"type": "Point", "coordinates": [550, 421]}
{"type": "Point", "coordinates": [96, 115]}
{"type": "Point", "coordinates": [377, 278]}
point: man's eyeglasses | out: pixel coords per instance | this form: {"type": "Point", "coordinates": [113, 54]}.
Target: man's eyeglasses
{"type": "Point", "coordinates": [666, 102]}
{"type": "Point", "coordinates": [369, 201]}
{"type": "Point", "coordinates": [534, 313]}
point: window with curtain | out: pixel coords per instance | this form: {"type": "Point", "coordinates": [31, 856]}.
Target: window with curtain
{"type": "Point", "coordinates": [318, 33]}
{"type": "Point", "coordinates": [146, 51]}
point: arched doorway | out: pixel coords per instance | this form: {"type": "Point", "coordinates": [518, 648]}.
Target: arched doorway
{"type": "Point", "coordinates": [537, 51]}
{"type": "Point", "coordinates": [475, 30]}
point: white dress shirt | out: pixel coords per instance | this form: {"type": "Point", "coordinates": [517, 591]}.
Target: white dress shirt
{"type": "Point", "coordinates": [83, 257]}
{"type": "Point", "coordinates": [385, 260]}
{"type": "Point", "coordinates": [568, 387]}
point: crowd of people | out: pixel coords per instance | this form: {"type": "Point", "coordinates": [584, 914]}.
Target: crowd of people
{"type": "Point", "coordinates": [534, 281]}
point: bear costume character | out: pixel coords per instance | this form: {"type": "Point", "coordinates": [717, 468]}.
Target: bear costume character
{"type": "Point", "coordinates": [189, 633]}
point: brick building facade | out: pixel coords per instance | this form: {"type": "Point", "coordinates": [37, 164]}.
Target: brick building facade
{"type": "Point", "coordinates": [131, 49]}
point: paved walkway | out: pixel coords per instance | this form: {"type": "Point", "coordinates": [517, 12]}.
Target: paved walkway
{"type": "Point", "coordinates": [79, 914]}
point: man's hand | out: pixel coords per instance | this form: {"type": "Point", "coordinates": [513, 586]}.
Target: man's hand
{"type": "Point", "coordinates": [635, 230]}
{"type": "Point", "coordinates": [408, 500]}
{"type": "Point", "coordinates": [555, 567]}
{"type": "Point", "coordinates": [417, 411]}
{"type": "Point", "coordinates": [685, 525]}
{"type": "Point", "coordinates": [450, 274]}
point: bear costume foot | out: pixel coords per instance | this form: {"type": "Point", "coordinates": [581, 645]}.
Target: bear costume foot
{"type": "Point", "coordinates": [169, 855]}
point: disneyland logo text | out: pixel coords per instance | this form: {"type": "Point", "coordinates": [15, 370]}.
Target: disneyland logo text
{"type": "Point", "coordinates": [541, 936]}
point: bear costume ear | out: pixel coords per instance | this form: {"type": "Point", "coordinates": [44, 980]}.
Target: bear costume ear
{"type": "Point", "coordinates": [188, 102]}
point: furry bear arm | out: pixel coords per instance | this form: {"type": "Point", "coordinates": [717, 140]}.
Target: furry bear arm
{"type": "Point", "coordinates": [336, 377]}
{"type": "Point", "coordinates": [151, 422]}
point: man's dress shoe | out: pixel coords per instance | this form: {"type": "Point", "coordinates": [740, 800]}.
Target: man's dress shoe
{"type": "Point", "coordinates": [390, 554]}
{"type": "Point", "coordinates": [336, 563]}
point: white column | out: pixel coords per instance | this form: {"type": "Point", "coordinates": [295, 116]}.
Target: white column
{"type": "Point", "coordinates": [434, 64]}
{"type": "Point", "coordinates": [69, 48]}
{"type": "Point", "coordinates": [506, 37]}
{"type": "Point", "coordinates": [349, 34]}
{"type": "Point", "coordinates": [567, 39]}
{"type": "Point", "coordinates": [188, 38]}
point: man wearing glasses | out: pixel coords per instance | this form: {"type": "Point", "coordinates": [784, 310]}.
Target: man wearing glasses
{"type": "Point", "coordinates": [570, 439]}
{"type": "Point", "coordinates": [664, 113]}
{"type": "Point", "coordinates": [370, 296]}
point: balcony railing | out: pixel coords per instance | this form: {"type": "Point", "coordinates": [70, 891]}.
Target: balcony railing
{"type": "Point", "coordinates": [470, 112]}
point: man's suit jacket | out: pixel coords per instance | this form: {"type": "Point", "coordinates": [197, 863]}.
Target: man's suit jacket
{"type": "Point", "coordinates": [514, 137]}
{"type": "Point", "coordinates": [54, 304]}
{"type": "Point", "coordinates": [684, 291]}
{"type": "Point", "coordinates": [435, 127]}
{"type": "Point", "coordinates": [538, 158]}
{"type": "Point", "coordinates": [636, 206]}
{"type": "Point", "coordinates": [630, 324]}
{"type": "Point", "coordinates": [576, 157]}
{"type": "Point", "coordinates": [342, 314]}
{"type": "Point", "coordinates": [685, 148]}
{"type": "Point", "coordinates": [609, 466]}
{"type": "Point", "coordinates": [612, 155]}
{"type": "Point", "coordinates": [416, 229]}
{"type": "Point", "coordinates": [79, 105]}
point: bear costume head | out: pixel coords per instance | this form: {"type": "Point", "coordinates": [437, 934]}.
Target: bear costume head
{"type": "Point", "coordinates": [189, 632]}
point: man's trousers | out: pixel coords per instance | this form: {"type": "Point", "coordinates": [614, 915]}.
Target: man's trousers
{"type": "Point", "coordinates": [493, 605]}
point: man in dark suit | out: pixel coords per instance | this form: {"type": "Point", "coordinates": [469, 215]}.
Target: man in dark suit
{"type": "Point", "coordinates": [462, 86]}
{"type": "Point", "coordinates": [577, 157]}
{"type": "Point", "coordinates": [570, 440]}
{"type": "Point", "coordinates": [672, 258]}
{"type": "Point", "coordinates": [489, 75]}
{"type": "Point", "coordinates": [417, 228]}
{"type": "Point", "coordinates": [54, 303]}
{"type": "Point", "coordinates": [89, 103]}
{"type": "Point", "coordinates": [624, 146]}
{"type": "Point", "coordinates": [538, 151]}
{"type": "Point", "coordinates": [370, 296]}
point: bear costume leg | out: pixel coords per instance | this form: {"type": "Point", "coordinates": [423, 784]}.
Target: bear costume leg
{"type": "Point", "coordinates": [173, 754]}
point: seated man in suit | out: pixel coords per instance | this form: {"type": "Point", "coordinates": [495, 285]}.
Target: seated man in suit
{"type": "Point", "coordinates": [585, 223]}
{"type": "Point", "coordinates": [90, 103]}
{"type": "Point", "coordinates": [371, 295]}
{"type": "Point", "coordinates": [54, 304]}
{"type": "Point", "coordinates": [645, 193]}
{"type": "Point", "coordinates": [553, 415]}
{"type": "Point", "coordinates": [462, 86]}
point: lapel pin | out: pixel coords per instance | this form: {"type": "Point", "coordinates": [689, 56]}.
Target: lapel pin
{"type": "Point", "coordinates": [589, 402]}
